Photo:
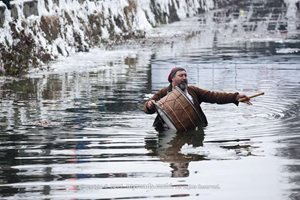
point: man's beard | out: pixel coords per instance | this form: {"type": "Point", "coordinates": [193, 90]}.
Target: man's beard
{"type": "Point", "coordinates": [183, 85]}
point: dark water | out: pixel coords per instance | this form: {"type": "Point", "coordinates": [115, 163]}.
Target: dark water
{"type": "Point", "coordinates": [78, 131]}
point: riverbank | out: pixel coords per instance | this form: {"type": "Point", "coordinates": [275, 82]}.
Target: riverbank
{"type": "Point", "coordinates": [34, 32]}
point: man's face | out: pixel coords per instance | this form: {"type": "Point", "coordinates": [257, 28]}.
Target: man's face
{"type": "Point", "coordinates": [180, 80]}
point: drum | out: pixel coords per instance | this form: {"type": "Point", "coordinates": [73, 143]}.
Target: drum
{"type": "Point", "coordinates": [178, 111]}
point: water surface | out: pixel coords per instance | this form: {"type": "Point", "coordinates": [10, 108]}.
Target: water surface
{"type": "Point", "coordinates": [78, 131]}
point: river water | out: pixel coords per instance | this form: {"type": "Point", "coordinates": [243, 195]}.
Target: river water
{"type": "Point", "coordinates": [78, 130]}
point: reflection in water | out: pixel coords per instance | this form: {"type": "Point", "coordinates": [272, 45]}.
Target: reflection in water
{"type": "Point", "coordinates": [168, 149]}
{"type": "Point", "coordinates": [79, 132]}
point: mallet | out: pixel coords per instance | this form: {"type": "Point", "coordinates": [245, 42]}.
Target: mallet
{"type": "Point", "coordinates": [255, 95]}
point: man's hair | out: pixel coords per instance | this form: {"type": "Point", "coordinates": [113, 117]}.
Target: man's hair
{"type": "Point", "coordinates": [173, 72]}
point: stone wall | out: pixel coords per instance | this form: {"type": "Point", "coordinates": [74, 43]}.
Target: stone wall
{"type": "Point", "coordinates": [2, 15]}
{"type": "Point", "coordinates": [33, 32]}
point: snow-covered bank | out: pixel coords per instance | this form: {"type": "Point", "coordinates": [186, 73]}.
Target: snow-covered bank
{"type": "Point", "coordinates": [32, 32]}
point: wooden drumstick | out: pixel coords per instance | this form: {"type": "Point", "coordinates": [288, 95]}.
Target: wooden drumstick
{"type": "Point", "coordinates": [255, 95]}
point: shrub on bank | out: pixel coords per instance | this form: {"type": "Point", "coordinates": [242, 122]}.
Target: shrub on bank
{"type": "Point", "coordinates": [22, 55]}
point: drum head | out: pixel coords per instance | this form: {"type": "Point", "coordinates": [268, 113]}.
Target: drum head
{"type": "Point", "coordinates": [165, 117]}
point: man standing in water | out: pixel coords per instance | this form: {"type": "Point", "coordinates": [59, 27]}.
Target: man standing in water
{"type": "Point", "coordinates": [178, 77]}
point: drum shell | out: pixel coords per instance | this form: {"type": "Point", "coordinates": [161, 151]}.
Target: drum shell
{"type": "Point", "coordinates": [179, 110]}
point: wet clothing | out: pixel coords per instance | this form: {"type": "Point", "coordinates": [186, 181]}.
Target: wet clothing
{"type": "Point", "coordinates": [198, 95]}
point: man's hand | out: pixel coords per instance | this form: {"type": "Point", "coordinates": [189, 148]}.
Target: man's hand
{"type": "Point", "coordinates": [150, 104]}
{"type": "Point", "coordinates": [243, 98]}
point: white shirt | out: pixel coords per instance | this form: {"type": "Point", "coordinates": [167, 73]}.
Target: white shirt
{"type": "Point", "coordinates": [189, 96]}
